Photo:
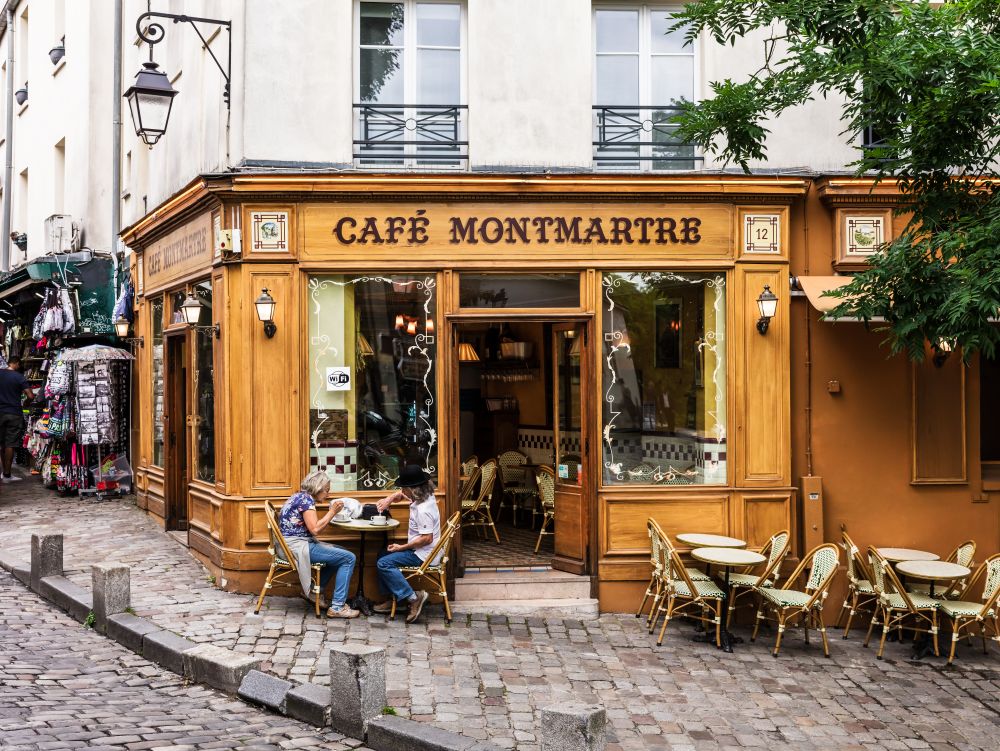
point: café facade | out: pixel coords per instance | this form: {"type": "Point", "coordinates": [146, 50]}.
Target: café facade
{"type": "Point", "coordinates": [617, 329]}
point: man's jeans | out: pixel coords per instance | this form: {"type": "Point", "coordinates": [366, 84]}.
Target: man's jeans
{"type": "Point", "coordinates": [390, 578]}
{"type": "Point", "coordinates": [336, 561]}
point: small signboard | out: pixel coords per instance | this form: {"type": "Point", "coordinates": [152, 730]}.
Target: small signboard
{"type": "Point", "coordinates": [563, 470]}
{"type": "Point", "coordinates": [338, 378]}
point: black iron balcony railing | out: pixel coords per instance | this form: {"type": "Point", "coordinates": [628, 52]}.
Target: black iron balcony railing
{"type": "Point", "coordinates": [411, 135]}
{"type": "Point", "coordinates": [634, 137]}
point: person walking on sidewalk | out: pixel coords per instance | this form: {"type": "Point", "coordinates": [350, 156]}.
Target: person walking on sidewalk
{"type": "Point", "coordinates": [416, 487]}
{"type": "Point", "coordinates": [299, 523]}
{"type": "Point", "coordinates": [13, 386]}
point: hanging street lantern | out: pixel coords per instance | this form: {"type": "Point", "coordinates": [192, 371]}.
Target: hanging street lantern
{"type": "Point", "coordinates": [150, 99]}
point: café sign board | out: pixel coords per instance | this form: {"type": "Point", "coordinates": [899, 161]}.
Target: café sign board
{"type": "Point", "coordinates": [185, 250]}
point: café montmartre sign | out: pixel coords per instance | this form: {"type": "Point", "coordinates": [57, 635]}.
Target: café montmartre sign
{"type": "Point", "coordinates": [418, 228]}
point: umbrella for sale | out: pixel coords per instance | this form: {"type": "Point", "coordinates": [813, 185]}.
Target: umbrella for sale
{"type": "Point", "coordinates": [95, 353]}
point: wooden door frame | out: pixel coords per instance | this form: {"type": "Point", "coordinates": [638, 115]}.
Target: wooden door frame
{"type": "Point", "coordinates": [176, 475]}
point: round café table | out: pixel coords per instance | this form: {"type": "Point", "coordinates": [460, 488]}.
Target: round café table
{"type": "Point", "coordinates": [697, 540]}
{"type": "Point", "coordinates": [898, 555]}
{"type": "Point", "coordinates": [727, 558]}
{"type": "Point", "coordinates": [933, 571]}
{"type": "Point", "coordinates": [363, 527]}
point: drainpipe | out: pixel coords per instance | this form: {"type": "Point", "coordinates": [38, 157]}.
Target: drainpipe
{"type": "Point", "coordinates": [116, 149]}
{"type": "Point", "coordinates": [8, 169]}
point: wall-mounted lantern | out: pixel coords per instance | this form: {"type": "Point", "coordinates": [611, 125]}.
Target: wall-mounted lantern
{"type": "Point", "coordinates": [942, 349]}
{"type": "Point", "coordinates": [191, 309]}
{"type": "Point", "coordinates": [767, 302]}
{"type": "Point", "coordinates": [121, 329]}
{"type": "Point", "coordinates": [265, 312]}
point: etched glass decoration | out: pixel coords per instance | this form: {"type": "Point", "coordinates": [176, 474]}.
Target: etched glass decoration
{"type": "Point", "coordinates": [156, 352]}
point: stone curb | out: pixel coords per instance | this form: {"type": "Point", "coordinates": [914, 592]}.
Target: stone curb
{"type": "Point", "coordinates": [166, 649]}
{"type": "Point", "coordinates": [309, 702]}
{"type": "Point", "coordinates": [219, 668]}
{"type": "Point", "coordinates": [391, 733]}
{"type": "Point", "coordinates": [265, 690]}
{"type": "Point", "coordinates": [71, 597]}
{"type": "Point", "coordinates": [129, 630]}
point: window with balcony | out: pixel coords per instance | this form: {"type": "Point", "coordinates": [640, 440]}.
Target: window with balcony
{"type": "Point", "coordinates": [409, 109]}
{"type": "Point", "coordinates": [642, 72]}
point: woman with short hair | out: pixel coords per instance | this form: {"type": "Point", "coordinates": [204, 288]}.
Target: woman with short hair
{"type": "Point", "coordinates": [300, 522]}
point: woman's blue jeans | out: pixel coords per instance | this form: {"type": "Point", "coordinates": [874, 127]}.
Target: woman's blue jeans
{"type": "Point", "coordinates": [337, 562]}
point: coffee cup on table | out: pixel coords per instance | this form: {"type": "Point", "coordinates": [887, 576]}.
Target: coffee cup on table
{"type": "Point", "coordinates": [379, 521]}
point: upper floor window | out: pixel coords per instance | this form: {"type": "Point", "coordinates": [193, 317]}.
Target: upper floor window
{"type": "Point", "coordinates": [410, 92]}
{"type": "Point", "coordinates": [642, 71]}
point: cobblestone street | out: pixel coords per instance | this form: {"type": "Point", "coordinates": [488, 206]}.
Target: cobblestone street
{"type": "Point", "coordinates": [486, 679]}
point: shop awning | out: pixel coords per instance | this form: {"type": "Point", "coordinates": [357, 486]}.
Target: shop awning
{"type": "Point", "coordinates": [816, 286]}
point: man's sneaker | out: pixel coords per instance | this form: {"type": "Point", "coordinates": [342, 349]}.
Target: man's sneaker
{"type": "Point", "coordinates": [416, 606]}
{"type": "Point", "coordinates": [344, 611]}
{"type": "Point", "coordinates": [11, 478]}
{"type": "Point", "coordinates": [383, 607]}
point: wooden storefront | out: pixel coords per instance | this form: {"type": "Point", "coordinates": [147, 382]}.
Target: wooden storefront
{"type": "Point", "coordinates": [230, 419]}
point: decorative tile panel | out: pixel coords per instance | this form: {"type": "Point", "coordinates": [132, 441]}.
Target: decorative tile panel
{"type": "Point", "coordinates": [269, 231]}
{"type": "Point", "coordinates": [863, 234]}
{"type": "Point", "coordinates": [761, 233]}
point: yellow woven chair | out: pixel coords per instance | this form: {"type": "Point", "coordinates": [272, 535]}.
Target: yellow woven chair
{"type": "Point", "coordinates": [696, 598]}
{"type": "Point", "coordinates": [965, 614]}
{"type": "Point", "coordinates": [802, 607]}
{"type": "Point", "coordinates": [860, 592]}
{"type": "Point", "coordinates": [514, 485]}
{"type": "Point", "coordinates": [435, 573]}
{"type": "Point", "coordinates": [546, 480]}
{"type": "Point", "coordinates": [475, 512]}
{"type": "Point", "coordinates": [746, 582]}
{"type": "Point", "coordinates": [284, 569]}
{"type": "Point", "coordinates": [895, 605]}
{"type": "Point", "coordinates": [964, 554]}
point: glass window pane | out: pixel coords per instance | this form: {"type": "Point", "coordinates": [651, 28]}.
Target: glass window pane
{"type": "Point", "coordinates": [204, 388]}
{"type": "Point", "coordinates": [673, 79]}
{"type": "Point", "coordinates": [617, 30]}
{"type": "Point", "coordinates": [372, 399]}
{"type": "Point", "coordinates": [439, 25]}
{"type": "Point", "coordinates": [382, 23]}
{"type": "Point", "coordinates": [618, 79]}
{"type": "Point", "coordinates": [381, 76]}
{"type": "Point", "coordinates": [156, 326]}
{"type": "Point", "coordinates": [664, 40]}
{"type": "Point", "coordinates": [664, 373]}
{"type": "Point", "coordinates": [519, 290]}
{"type": "Point", "coordinates": [438, 77]}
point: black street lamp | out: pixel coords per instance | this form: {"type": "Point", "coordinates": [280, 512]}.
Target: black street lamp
{"type": "Point", "coordinates": [767, 302]}
{"type": "Point", "coordinates": [151, 96]}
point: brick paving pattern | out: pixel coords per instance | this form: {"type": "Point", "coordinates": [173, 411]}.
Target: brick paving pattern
{"type": "Point", "coordinates": [489, 678]}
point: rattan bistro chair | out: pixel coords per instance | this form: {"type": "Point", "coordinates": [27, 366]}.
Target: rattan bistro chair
{"type": "Point", "coordinates": [965, 614]}
{"type": "Point", "coordinates": [476, 511]}
{"type": "Point", "coordinates": [546, 480]}
{"type": "Point", "coordinates": [895, 604]}
{"type": "Point", "coordinates": [746, 582]}
{"type": "Point", "coordinates": [803, 606]}
{"type": "Point", "coordinates": [861, 596]}
{"type": "Point", "coordinates": [435, 573]}
{"type": "Point", "coordinates": [284, 569]}
{"type": "Point", "coordinates": [964, 555]}
{"type": "Point", "coordinates": [700, 600]}
{"type": "Point", "coordinates": [514, 485]}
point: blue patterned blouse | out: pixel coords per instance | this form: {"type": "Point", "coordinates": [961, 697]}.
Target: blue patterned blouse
{"type": "Point", "coordinates": [290, 520]}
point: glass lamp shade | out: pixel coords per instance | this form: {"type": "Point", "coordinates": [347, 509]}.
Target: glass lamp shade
{"type": "Point", "coordinates": [149, 100]}
{"type": "Point", "coordinates": [945, 345]}
{"type": "Point", "coordinates": [121, 327]}
{"type": "Point", "coordinates": [467, 353]}
{"type": "Point", "coordinates": [265, 306]}
{"type": "Point", "coordinates": [191, 309]}
{"type": "Point", "coordinates": [767, 302]}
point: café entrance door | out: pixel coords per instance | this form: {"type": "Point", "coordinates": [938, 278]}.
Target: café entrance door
{"type": "Point", "coordinates": [175, 432]}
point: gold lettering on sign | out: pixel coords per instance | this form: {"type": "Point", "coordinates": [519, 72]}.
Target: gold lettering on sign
{"type": "Point", "coordinates": [183, 251]}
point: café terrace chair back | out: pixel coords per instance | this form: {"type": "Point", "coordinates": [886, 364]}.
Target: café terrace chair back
{"type": "Point", "coordinates": [514, 484]}
{"type": "Point", "coordinates": [546, 480]}
{"type": "Point", "coordinates": [284, 569]}
{"type": "Point", "coordinates": [699, 600]}
{"type": "Point", "coordinates": [801, 607]}
{"type": "Point", "coordinates": [965, 614]}
{"type": "Point", "coordinates": [470, 465]}
{"type": "Point", "coordinates": [476, 512]}
{"type": "Point", "coordinates": [434, 568]}
{"type": "Point", "coordinates": [656, 568]}
{"type": "Point", "coordinates": [895, 604]}
{"type": "Point", "coordinates": [745, 583]}
{"type": "Point", "coordinates": [861, 595]}
{"type": "Point", "coordinates": [964, 555]}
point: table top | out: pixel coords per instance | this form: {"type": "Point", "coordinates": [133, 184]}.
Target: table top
{"type": "Point", "coordinates": [363, 525]}
{"type": "Point", "coordinates": [896, 555]}
{"type": "Point", "coordinates": [728, 556]}
{"type": "Point", "coordinates": [710, 541]}
{"type": "Point", "coordinates": [933, 570]}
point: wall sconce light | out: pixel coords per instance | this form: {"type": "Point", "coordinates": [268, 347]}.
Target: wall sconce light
{"type": "Point", "coordinates": [265, 312]}
{"type": "Point", "coordinates": [121, 329]}
{"type": "Point", "coordinates": [942, 349]}
{"type": "Point", "coordinates": [400, 323]}
{"type": "Point", "coordinates": [467, 353]}
{"type": "Point", "coordinates": [411, 328]}
{"type": "Point", "coordinates": [429, 326]}
{"type": "Point", "coordinates": [191, 309]}
{"type": "Point", "coordinates": [767, 302]}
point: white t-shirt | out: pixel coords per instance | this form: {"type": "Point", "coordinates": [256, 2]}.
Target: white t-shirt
{"type": "Point", "coordinates": [424, 520]}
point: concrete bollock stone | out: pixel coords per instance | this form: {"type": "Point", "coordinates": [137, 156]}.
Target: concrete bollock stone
{"type": "Point", "coordinates": [63, 593]}
{"type": "Point", "coordinates": [309, 703]}
{"type": "Point", "coordinates": [46, 558]}
{"type": "Point", "coordinates": [574, 727]}
{"type": "Point", "coordinates": [166, 649]}
{"type": "Point", "coordinates": [111, 592]}
{"type": "Point", "coordinates": [391, 733]}
{"type": "Point", "coordinates": [267, 690]}
{"type": "Point", "coordinates": [357, 687]}
{"type": "Point", "coordinates": [218, 667]}
{"type": "Point", "coordinates": [129, 630]}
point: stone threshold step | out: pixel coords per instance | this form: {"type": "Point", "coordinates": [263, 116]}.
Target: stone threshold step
{"type": "Point", "coordinates": [548, 576]}
{"type": "Point", "coordinates": [578, 609]}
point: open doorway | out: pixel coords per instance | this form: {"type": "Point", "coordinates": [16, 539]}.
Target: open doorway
{"type": "Point", "coordinates": [521, 438]}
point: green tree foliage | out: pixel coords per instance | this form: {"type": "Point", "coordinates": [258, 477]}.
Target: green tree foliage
{"type": "Point", "coordinates": [926, 79]}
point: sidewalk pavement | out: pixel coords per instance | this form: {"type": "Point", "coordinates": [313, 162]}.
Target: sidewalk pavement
{"type": "Point", "coordinates": [489, 679]}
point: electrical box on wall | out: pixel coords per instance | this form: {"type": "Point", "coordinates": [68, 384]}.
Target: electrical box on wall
{"type": "Point", "coordinates": [227, 242]}
{"type": "Point", "coordinates": [812, 512]}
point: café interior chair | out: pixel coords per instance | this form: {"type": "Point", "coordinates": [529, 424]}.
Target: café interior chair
{"type": "Point", "coordinates": [683, 596]}
{"type": "Point", "coordinates": [469, 465]}
{"type": "Point", "coordinates": [546, 480]}
{"type": "Point", "coordinates": [966, 615]}
{"type": "Point", "coordinates": [514, 484]}
{"type": "Point", "coordinates": [964, 555]}
{"type": "Point", "coordinates": [745, 583]}
{"type": "Point", "coordinates": [284, 569]}
{"type": "Point", "coordinates": [788, 606]}
{"type": "Point", "coordinates": [861, 596]}
{"type": "Point", "coordinates": [895, 605]}
{"type": "Point", "coordinates": [434, 568]}
{"type": "Point", "coordinates": [475, 511]}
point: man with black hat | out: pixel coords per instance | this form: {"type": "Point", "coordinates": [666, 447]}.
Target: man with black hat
{"type": "Point", "coordinates": [416, 487]}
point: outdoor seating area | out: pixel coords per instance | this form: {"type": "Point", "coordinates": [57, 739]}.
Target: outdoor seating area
{"type": "Point", "coordinates": [905, 594]}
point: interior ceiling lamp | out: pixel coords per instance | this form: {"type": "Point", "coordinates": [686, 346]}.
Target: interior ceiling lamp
{"type": "Point", "coordinates": [265, 312]}
{"type": "Point", "coordinates": [191, 309]}
{"type": "Point", "coordinates": [767, 301]}
{"type": "Point", "coordinates": [467, 353]}
{"type": "Point", "coordinates": [151, 96]}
